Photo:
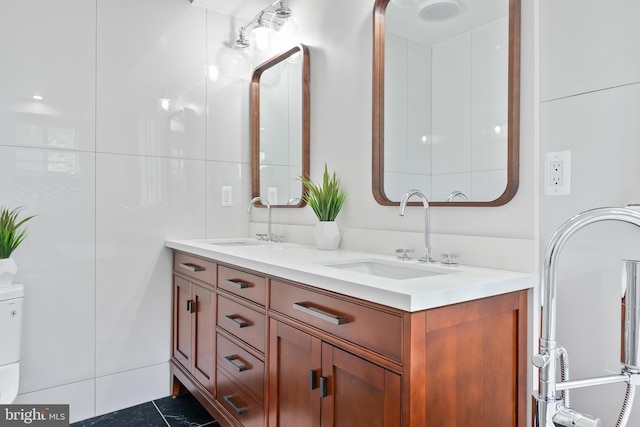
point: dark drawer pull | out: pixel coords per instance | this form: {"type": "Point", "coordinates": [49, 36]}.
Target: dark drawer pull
{"type": "Point", "coordinates": [313, 379]}
{"type": "Point", "coordinates": [191, 267]}
{"type": "Point", "coordinates": [235, 322]}
{"type": "Point", "coordinates": [229, 399]}
{"type": "Point", "coordinates": [236, 363]}
{"type": "Point", "coordinates": [238, 284]}
{"type": "Point", "coordinates": [191, 306]}
{"type": "Point", "coordinates": [324, 386]}
{"type": "Point", "coordinates": [327, 317]}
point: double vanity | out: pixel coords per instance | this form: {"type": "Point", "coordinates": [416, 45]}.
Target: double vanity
{"type": "Point", "coordinates": [281, 334]}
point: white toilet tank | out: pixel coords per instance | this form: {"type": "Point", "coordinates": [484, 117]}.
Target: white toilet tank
{"type": "Point", "coordinates": [10, 323]}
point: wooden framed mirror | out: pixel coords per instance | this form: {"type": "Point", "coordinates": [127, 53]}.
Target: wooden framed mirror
{"type": "Point", "coordinates": [280, 128]}
{"type": "Point", "coordinates": [446, 101]}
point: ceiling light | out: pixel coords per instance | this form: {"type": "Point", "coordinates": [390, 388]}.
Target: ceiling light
{"type": "Point", "coordinates": [439, 10]}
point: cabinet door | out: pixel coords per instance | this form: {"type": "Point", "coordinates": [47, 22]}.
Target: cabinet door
{"type": "Point", "coordinates": [358, 393]}
{"type": "Point", "coordinates": [294, 377]}
{"type": "Point", "coordinates": [182, 321]}
{"type": "Point", "coordinates": [203, 328]}
{"type": "Point", "coordinates": [475, 364]}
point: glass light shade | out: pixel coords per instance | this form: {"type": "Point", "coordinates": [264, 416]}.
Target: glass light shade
{"type": "Point", "coordinates": [261, 37]}
{"type": "Point", "coordinates": [237, 63]}
{"type": "Point", "coordinates": [284, 28]}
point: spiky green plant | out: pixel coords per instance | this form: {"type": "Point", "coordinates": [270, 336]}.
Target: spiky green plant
{"type": "Point", "coordinates": [326, 198]}
{"type": "Point", "coordinates": [10, 233]}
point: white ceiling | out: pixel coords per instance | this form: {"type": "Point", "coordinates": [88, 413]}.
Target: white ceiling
{"type": "Point", "coordinates": [246, 9]}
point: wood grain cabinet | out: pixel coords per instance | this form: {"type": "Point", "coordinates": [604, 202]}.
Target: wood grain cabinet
{"type": "Point", "coordinates": [241, 337]}
{"type": "Point", "coordinates": [314, 383]}
{"type": "Point", "coordinates": [194, 318]}
{"type": "Point", "coordinates": [262, 351]}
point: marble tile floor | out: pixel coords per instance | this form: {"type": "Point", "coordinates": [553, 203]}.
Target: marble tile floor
{"type": "Point", "coordinates": [183, 411]}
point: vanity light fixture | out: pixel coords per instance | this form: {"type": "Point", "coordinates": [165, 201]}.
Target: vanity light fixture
{"type": "Point", "coordinates": [282, 25]}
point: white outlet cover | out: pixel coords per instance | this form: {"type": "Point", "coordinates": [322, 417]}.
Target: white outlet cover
{"type": "Point", "coordinates": [551, 189]}
{"type": "Point", "coordinates": [227, 196]}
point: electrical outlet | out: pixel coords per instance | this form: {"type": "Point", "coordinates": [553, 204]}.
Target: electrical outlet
{"type": "Point", "coordinates": [227, 197]}
{"type": "Point", "coordinates": [557, 173]}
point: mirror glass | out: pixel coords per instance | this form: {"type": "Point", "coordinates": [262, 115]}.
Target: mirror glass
{"type": "Point", "coordinates": [446, 100]}
{"type": "Point", "coordinates": [280, 127]}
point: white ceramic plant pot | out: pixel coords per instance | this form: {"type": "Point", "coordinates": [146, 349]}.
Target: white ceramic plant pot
{"type": "Point", "coordinates": [8, 270]}
{"type": "Point", "coordinates": [327, 235]}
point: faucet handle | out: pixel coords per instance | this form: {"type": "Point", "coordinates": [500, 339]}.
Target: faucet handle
{"type": "Point", "coordinates": [261, 236]}
{"type": "Point", "coordinates": [404, 253]}
{"type": "Point", "coordinates": [449, 259]}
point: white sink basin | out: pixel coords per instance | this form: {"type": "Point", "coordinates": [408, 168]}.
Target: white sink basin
{"type": "Point", "coordinates": [389, 269]}
{"type": "Point", "coordinates": [237, 242]}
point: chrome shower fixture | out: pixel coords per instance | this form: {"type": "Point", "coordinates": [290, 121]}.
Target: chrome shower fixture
{"type": "Point", "coordinates": [281, 23]}
{"type": "Point", "coordinates": [552, 409]}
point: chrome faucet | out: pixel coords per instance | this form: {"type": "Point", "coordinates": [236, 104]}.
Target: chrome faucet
{"type": "Point", "coordinates": [425, 203]}
{"type": "Point", "coordinates": [457, 194]}
{"type": "Point", "coordinates": [268, 205]}
{"type": "Point", "coordinates": [552, 410]}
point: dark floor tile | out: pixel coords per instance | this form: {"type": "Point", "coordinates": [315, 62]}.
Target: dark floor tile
{"type": "Point", "coordinates": [184, 411]}
{"type": "Point", "coordinates": [144, 415]}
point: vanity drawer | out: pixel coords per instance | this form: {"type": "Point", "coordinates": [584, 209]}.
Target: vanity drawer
{"type": "Point", "coordinates": [243, 284]}
{"type": "Point", "coordinates": [241, 365]}
{"type": "Point", "coordinates": [238, 403]}
{"type": "Point", "coordinates": [198, 268]}
{"type": "Point", "coordinates": [241, 321]}
{"type": "Point", "coordinates": [379, 330]}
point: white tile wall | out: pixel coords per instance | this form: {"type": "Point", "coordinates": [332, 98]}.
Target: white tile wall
{"type": "Point", "coordinates": [80, 397]}
{"type": "Point", "coordinates": [111, 174]}
{"type": "Point", "coordinates": [140, 202]}
{"type": "Point", "coordinates": [587, 45]}
{"type": "Point", "coordinates": [56, 262]}
{"type": "Point", "coordinates": [590, 87]}
{"type": "Point", "coordinates": [138, 66]}
{"type": "Point", "coordinates": [118, 391]}
{"type": "Point", "coordinates": [39, 46]}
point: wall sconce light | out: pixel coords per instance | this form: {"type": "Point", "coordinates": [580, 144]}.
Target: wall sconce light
{"type": "Point", "coordinates": [282, 26]}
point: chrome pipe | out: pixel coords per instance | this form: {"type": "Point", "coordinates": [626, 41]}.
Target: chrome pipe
{"type": "Point", "coordinates": [546, 397]}
{"type": "Point", "coordinates": [588, 382]}
{"type": "Point", "coordinates": [630, 312]}
{"type": "Point", "coordinates": [427, 226]}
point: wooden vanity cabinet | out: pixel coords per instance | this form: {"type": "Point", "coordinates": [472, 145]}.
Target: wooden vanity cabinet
{"type": "Point", "coordinates": [194, 318]}
{"type": "Point", "coordinates": [262, 351]}
{"type": "Point", "coordinates": [453, 366]}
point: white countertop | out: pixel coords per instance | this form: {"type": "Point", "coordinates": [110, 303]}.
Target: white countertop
{"type": "Point", "coordinates": [306, 264]}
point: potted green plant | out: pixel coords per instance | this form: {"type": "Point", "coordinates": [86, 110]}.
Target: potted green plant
{"type": "Point", "coordinates": [326, 199]}
{"type": "Point", "coordinates": [12, 233]}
